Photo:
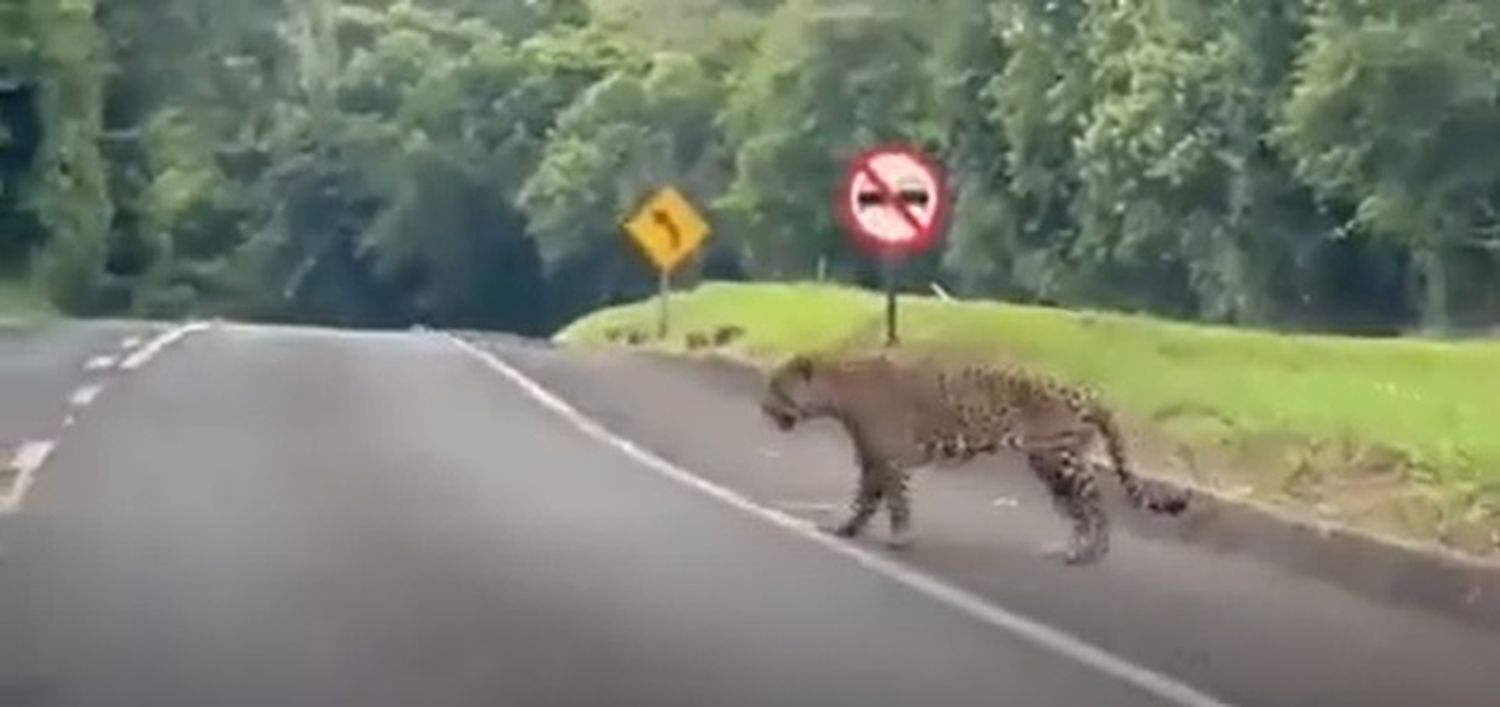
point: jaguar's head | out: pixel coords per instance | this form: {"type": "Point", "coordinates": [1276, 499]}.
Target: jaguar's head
{"type": "Point", "coordinates": [793, 393]}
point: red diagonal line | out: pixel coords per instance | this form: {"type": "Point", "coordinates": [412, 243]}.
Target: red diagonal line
{"type": "Point", "coordinates": [889, 195]}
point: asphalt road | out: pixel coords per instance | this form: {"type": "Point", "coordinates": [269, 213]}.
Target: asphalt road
{"type": "Point", "coordinates": [41, 366]}
{"type": "Point", "coordinates": [49, 373]}
{"type": "Point", "coordinates": [1246, 630]}
{"type": "Point", "coordinates": [282, 517]}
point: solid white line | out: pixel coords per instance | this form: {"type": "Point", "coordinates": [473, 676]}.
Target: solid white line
{"type": "Point", "coordinates": [83, 397]}
{"type": "Point", "coordinates": [1047, 637]}
{"type": "Point", "coordinates": [130, 342]}
{"type": "Point", "coordinates": [100, 363]}
{"type": "Point", "coordinates": [28, 459]}
{"type": "Point", "coordinates": [807, 506]}
{"type": "Point", "coordinates": [144, 354]}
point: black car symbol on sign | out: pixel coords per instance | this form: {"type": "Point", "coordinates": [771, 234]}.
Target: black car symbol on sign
{"type": "Point", "coordinates": [909, 194]}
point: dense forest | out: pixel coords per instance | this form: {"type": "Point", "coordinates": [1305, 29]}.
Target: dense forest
{"type": "Point", "coordinates": [1312, 164]}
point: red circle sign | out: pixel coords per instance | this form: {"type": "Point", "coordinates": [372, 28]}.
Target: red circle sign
{"type": "Point", "coordinates": [892, 200]}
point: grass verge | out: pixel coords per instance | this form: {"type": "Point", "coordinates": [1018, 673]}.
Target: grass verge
{"type": "Point", "coordinates": [20, 304]}
{"type": "Point", "coordinates": [1393, 435]}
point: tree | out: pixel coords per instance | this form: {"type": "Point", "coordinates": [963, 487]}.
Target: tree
{"type": "Point", "coordinates": [72, 196]}
{"type": "Point", "coordinates": [1033, 86]}
{"type": "Point", "coordinates": [1395, 109]}
{"type": "Point", "coordinates": [967, 56]}
{"type": "Point", "coordinates": [1285, 162]}
{"type": "Point", "coordinates": [829, 78]}
{"type": "Point", "coordinates": [625, 137]}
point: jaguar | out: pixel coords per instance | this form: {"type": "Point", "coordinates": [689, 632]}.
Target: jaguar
{"type": "Point", "coordinates": [905, 414]}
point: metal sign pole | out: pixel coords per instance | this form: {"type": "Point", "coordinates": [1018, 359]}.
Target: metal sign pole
{"type": "Point", "coordinates": [664, 288]}
{"type": "Point", "coordinates": [890, 263]}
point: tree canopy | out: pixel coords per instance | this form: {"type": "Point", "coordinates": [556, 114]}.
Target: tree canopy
{"type": "Point", "coordinates": [1329, 164]}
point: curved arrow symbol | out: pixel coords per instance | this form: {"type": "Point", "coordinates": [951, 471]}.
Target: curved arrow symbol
{"type": "Point", "coordinates": [664, 220]}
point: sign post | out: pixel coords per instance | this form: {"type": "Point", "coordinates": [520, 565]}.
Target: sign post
{"type": "Point", "coordinates": [892, 201]}
{"type": "Point", "coordinates": [667, 229]}
{"type": "Point", "coordinates": [889, 266]}
{"type": "Point", "coordinates": [663, 306]}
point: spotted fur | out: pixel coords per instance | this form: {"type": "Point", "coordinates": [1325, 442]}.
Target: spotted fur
{"type": "Point", "coordinates": [904, 415]}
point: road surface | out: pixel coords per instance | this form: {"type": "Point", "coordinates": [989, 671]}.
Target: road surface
{"type": "Point", "coordinates": [1247, 631]}
{"type": "Point", "coordinates": [48, 375]}
{"type": "Point", "coordinates": [42, 367]}
{"type": "Point", "coordinates": [296, 517]}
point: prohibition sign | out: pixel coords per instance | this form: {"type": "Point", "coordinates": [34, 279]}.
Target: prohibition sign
{"type": "Point", "coordinates": [892, 200]}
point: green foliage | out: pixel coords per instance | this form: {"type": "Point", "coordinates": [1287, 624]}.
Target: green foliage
{"type": "Point", "coordinates": [623, 138]}
{"type": "Point", "coordinates": [72, 200]}
{"type": "Point", "coordinates": [1396, 109]}
{"type": "Point", "coordinates": [20, 304]}
{"type": "Point", "coordinates": [830, 78]}
{"type": "Point", "coordinates": [1306, 163]}
{"type": "Point", "coordinates": [1022, 107]}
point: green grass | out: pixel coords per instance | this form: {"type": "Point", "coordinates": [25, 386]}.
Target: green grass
{"type": "Point", "coordinates": [20, 303]}
{"type": "Point", "coordinates": [1402, 433]}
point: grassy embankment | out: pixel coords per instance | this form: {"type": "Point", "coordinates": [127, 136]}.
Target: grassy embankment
{"type": "Point", "coordinates": [1397, 436]}
{"type": "Point", "coordinates": [21, 304]}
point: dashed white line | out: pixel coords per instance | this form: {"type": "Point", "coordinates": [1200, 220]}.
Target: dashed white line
{"type": "Point", "coordinates": [85, 396]}
{"type": "Point", "coordinates": [23, 467]}
{"type": "Point", "coordinates": [144, 354]}
{"type": "Point", "coordinates": [1055, 640]}
{"type": "Point", "coordinates": [18, 474]}
{"type": "Point", "coordinates": [100, 363]}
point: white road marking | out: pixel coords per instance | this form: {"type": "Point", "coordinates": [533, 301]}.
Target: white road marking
{"type": "Point", "coordinates": [1006, 502]}
{"type": "Point", "coordinates": [808, 506]}
{"type": "Point", "coordinates": [144, 354]}
{"type": "Point", "coordinates": [100, 363]}
{"type": "Point", "coordinates": [130, 342]}
{"type": "Point", "coordinates": [28, 459]}
{"type": "Point", "coordinates": [69, 421]}
{"type": "Point", "coordinates": [85, 396]}
{"type": "Point", "coordinates": [1056, 640]}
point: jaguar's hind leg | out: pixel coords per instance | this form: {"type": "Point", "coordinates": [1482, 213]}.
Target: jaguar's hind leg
{"type": "Point", "coordinates": [898, 504]}
{"type": "Point", "coordinates": [1075, 494]}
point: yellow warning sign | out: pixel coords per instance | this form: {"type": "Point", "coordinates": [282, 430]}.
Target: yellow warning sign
{"type": "Point", "coordinates": [667, 228]}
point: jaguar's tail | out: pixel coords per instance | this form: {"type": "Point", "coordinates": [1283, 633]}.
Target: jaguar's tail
{"type": "Point", "coordinates": [1152, 497]}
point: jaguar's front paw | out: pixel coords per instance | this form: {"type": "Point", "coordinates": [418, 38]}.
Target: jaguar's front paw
{"type": "Point", "coordinates": [1073, 552]}
{"type": "Point", "coordinates": [844, 530]}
